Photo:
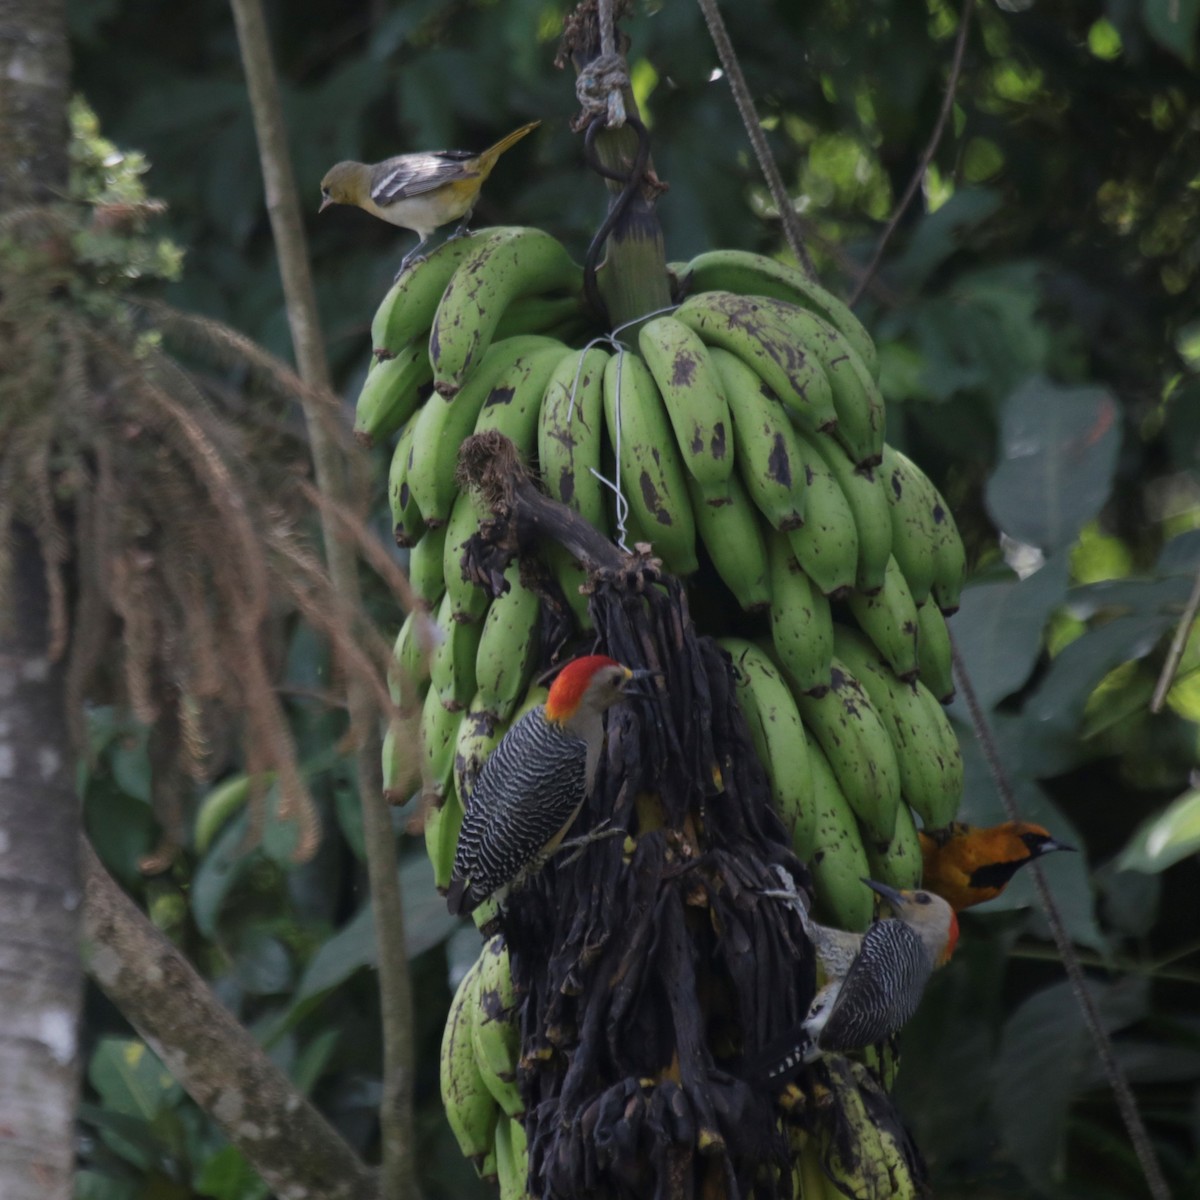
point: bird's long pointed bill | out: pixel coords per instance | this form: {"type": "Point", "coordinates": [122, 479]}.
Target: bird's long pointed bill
{"type": "Point", "coordinates": [325, 204]}
{"type": "Point", "coordinates": [1046, 847]}
{"type": "Point", "coordinates": [890, 894]}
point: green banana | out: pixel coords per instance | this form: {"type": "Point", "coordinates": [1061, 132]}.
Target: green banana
{"type": "Point", "coordinates": [748, 328]}
{"type": "Point", "coordinates": [855, 1160]}
{"type": "Point", "coordinates": [508, 647]}
{"type": "Point", "coordinates": [778, 735]}
{"type": "Point", "coordinates": [407, 523]}
{"type": "Point", "coordinates": [540, 314]}
{"type": "Point", "coordinates": [949, 555]}
{"type": "Point", "coordinates": [859, 750]}
{"type": "Point", "coordinates": [838, 860]}
{"type": "Point", "coordinates": [749, 274]}
{"type": "Point", "coordinates": [398, 759]}
{"type": "Point", "coordinates": [409, 668]}
{"type": "Point", "coordinates": [439, 735]}
{"type": "Point", "coordinates": [226, 798]}
{"type": "Point", "coordinates": [651, 475]}
{"type": "Point", "coordinates": [937, 807]}
{"type": "Point", "coordinates": [514, 404]}
{"type": "Point", "coordinates": [443, 424]}
{"type": "Point", "coordinates": [729, 528]}
{"type": "Point", "coordinates": [864, 494]}
{"type": "Point", "coordinates": [425, 566]}
{"type": "Point", "coordinates": [856, 398]}
{"type": "Point", "coordinates": [801, 622]}
{"type": "Point", "coordinates": [914, 534]}
{"type": "Point", "coordinates": [767, 455]}
{"type": "Point", "coordinates": [889, 619]}
{"type": "Point", "coordinates": [504, 268]}
{"type": "Point", "coordinates": [826, 545]}
{"type": "Point", "coordinates": [927, 754]}
{"type": "Point", "coordinates": [694, 397]}
{"type": "Point", "coordinates": [408, 309]}
{"type": "Point", "coordinates": [898, 864]}
{"type": "Point", "coordinates": [570, 433]}
{"type": "Point", "coordinates": [494, 1033]}
{"type": "Point", "coordinates": [442, 825]}
{"type": "Point", "coordinates": [470, 1108]}
{"type": "Point", "coordinates": [478, 735]}
{"type": "Point", "coordinates": [452, 665]}
{"type": "Point", "coordinates": [468, 601]}
{"type": "Point", "coordinates": [512, 1159]}
{"type": "Point", "coordinates": [570, 575]}
{"type": "Point", "coordinates": [390, 394]}
{"type": "Point", "coordinates": [935, 653]}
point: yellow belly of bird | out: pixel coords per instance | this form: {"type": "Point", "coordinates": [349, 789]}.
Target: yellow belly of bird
{"type": "Point", "coordinates": [427, 212]}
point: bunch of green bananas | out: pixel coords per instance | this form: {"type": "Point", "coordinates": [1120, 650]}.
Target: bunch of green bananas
{"type": "Point", "coordinates": [480, 1048]}
{"type": "Point", "coordinates": [746, 423]}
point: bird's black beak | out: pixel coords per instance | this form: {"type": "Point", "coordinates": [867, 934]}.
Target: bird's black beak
{"type": "Point", "coordinates": [640, 686]}
{"type": "Point", "coordinates": [890, 894]}
{"type": "Point", "coordinates": [1051, 844]}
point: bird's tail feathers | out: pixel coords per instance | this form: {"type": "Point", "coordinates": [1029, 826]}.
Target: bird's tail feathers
{"type": "Point", "coordinates": [489, 156]}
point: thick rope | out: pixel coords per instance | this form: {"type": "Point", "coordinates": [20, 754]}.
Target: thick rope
{"type": "Point", "coordinates": [1126, 1103]}
{"type": "Point", "coordinates": [766, 160]}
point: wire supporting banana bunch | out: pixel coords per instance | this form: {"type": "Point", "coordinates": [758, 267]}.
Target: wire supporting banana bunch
{"type": "Point", "coordinates": [480, 1049]}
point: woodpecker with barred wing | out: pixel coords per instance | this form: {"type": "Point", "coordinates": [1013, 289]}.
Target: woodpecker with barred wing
{"type": "Point", "coordinates": [534, 783]}
{"type": "Point", "coordinates": [874, 980]}
{"type": "Point", "coordinates": [969, 864]}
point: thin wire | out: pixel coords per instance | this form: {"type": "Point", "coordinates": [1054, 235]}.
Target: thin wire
{"type": "Point", "coordinates": [1126, 1103]}
{"type": "Point", "coordinates": [1175, 654]}
{"type": "Point", "coordinates": [927, 154]}
{"type": "Point", "coordinates": [766, 160]}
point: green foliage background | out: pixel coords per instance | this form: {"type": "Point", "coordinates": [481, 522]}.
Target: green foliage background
{"type": "Point", "coordinates": [1040, 339]}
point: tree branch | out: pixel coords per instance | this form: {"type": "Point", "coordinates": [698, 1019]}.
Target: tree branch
{"type": "Point", "coordinates": [398, 1151]}
{"type": "Point", "coordinates": [960, 45]}
{"type": "Point", "coordinates": [289, 1143]}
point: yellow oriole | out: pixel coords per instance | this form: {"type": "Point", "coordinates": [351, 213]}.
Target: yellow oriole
{"type": "Point", "coordinates": [420, 192]}
{"type": "Point", "coordinates": [967, 865]}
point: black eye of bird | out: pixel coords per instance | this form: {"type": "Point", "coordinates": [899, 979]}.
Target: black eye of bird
{"type": "Point", "coordinates": [922, 898]}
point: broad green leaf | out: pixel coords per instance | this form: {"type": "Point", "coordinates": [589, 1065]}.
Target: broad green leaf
{"type": "Point", "coordinates": [130, 1078]}
{"type": "Point", "coordinates": [1165, 839]}
{"type": "Point", "coordinates": [1058, 703]}
{"type": "Point", "coordinates": [1181, 555]}
{"type": "Point", "coordinates": [219, 870]}
{"type": "Point", "coordinates": [998, 629]}
{"type": "Point", "coordinates": [426, 923]}
{"type": "Point", "coordinates": [1173, 23]}
{"type": "Point", "coordinates": [93, 1185]}
{"type": "Point", "coordinates": [262, 965]}
{"type": "Point", "coordinates": [1058, 450]}
{"type": "Point", "coordinates": [228, 1176]}
{"type": "Point", "coordinates": [1042, 1061]}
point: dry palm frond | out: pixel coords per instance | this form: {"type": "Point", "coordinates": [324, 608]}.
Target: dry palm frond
{"type": "Point", "coordinates": [174, 512]}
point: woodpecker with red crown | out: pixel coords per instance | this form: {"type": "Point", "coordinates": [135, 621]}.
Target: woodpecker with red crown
{"type": "Point", "coordinates": [534, 783]}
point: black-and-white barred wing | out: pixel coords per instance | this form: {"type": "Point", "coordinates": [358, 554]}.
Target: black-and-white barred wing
{"type": "Point", "coordinates": [881, 990]}
{"type": "Point", "coordinates": [529, 786]}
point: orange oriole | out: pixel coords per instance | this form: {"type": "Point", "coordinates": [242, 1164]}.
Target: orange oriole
{"type": "Point", "coordinates": [421, 192]}
{"type": "Point", "coordinates": [967, 865]}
